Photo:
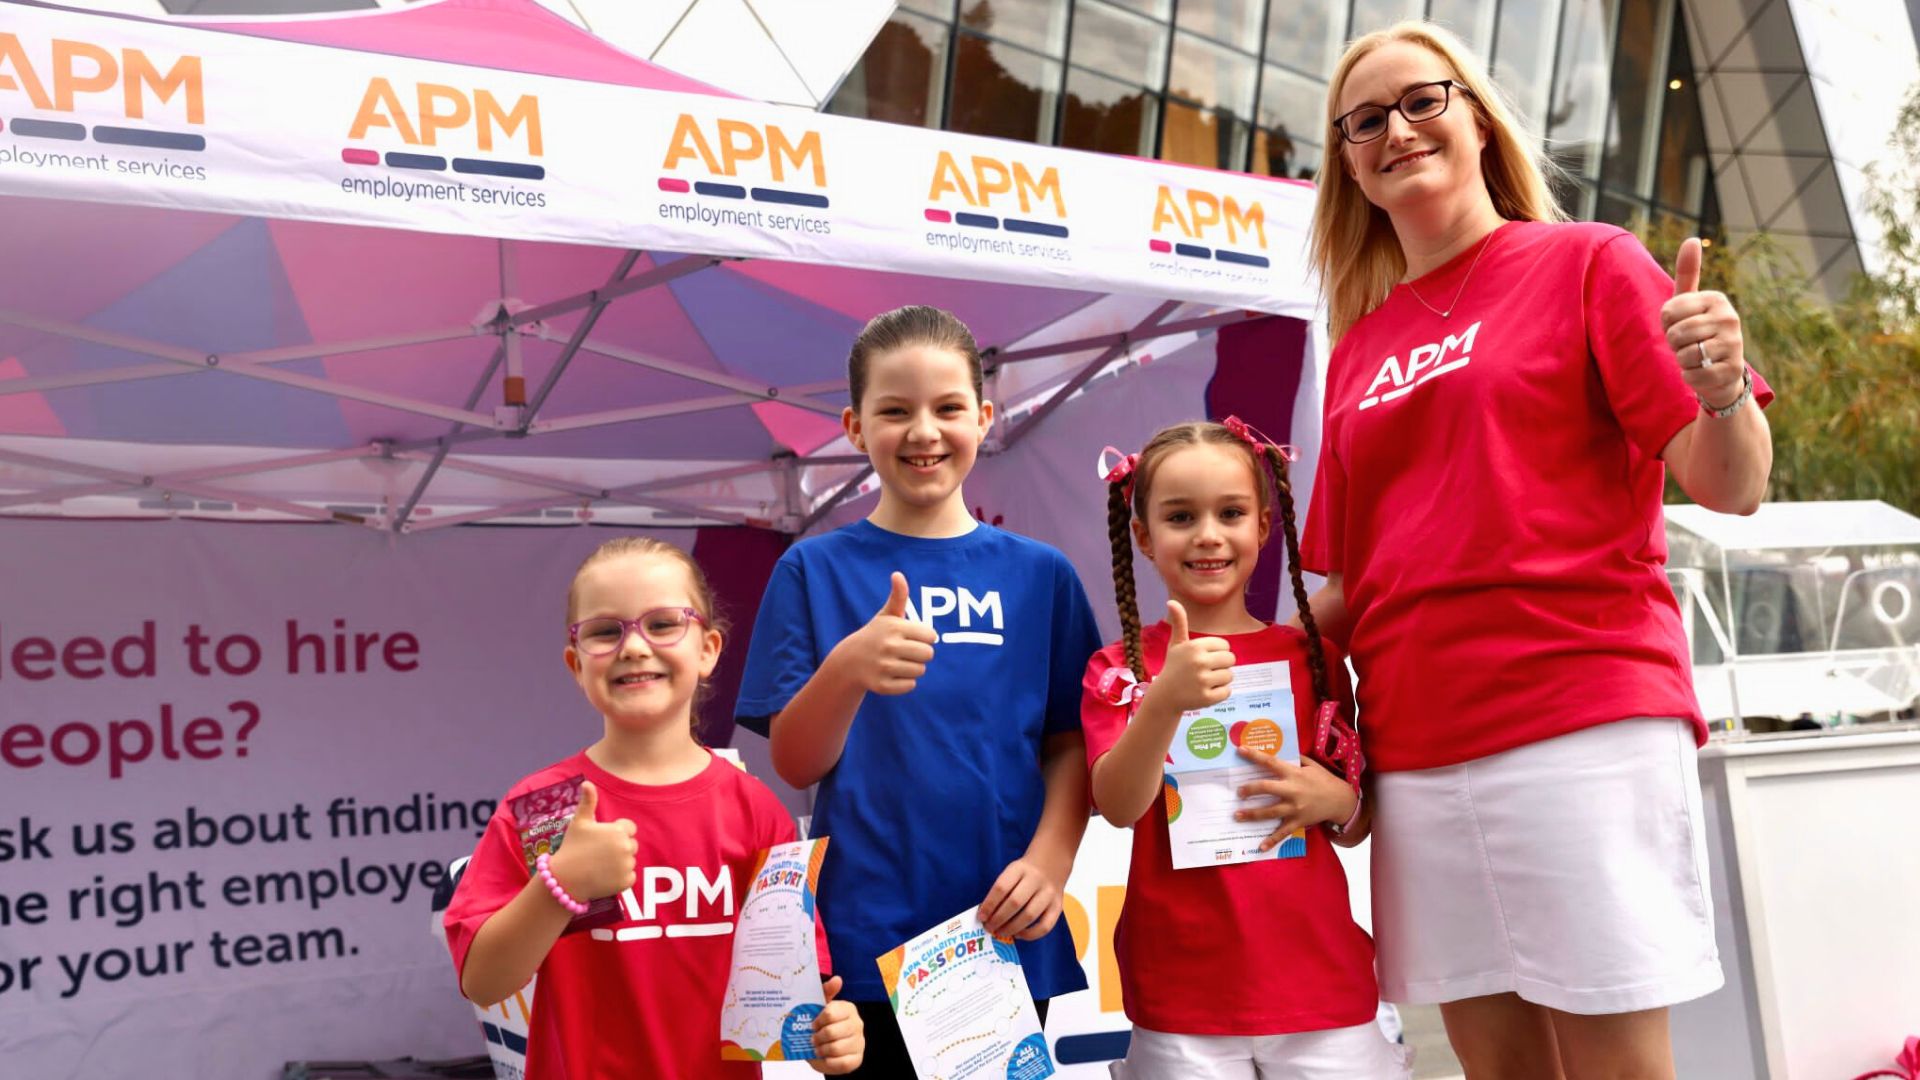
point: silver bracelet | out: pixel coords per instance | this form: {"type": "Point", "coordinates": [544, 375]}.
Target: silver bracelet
{"type": "Point", "coordinates": [1746, 395]}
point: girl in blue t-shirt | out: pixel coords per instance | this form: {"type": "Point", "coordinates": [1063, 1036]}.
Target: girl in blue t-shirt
{"type": "Point", "coordinates": [924, 669]}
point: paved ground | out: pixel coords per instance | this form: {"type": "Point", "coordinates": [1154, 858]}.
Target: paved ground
{"type": "Point", "coordinates": [1432, 1058]}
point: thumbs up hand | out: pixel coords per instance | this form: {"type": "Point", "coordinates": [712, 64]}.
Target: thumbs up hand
{"type": "Point", "coordinates": [596, 858]}
{"type": "Point", "coordinates": [1197, 671]}
{"type": "Point", "coordinates": [1703, 330]}
{"type": "Point", "coordinates": [890, 653]}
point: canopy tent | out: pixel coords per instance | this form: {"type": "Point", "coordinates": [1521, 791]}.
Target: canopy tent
{"type": "Point", "coordinates": [460, 262]}
{"type": "Point", "coordinates": [444, 279]}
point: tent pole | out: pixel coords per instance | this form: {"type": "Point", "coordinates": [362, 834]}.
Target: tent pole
{"type": "Point", "coordinates": [513, 386]}
{"type": "Point", "coordinates": [216, 472]}
{"type": "Point", "coordinates": [1202, 322]}
{"type": "Point", "coordinates": [137, 372]}
{"type": "Point", "coordinates": [753, 390]}
{"type": "Point", "coordinates": [659, 275]}
{"type": "Point", "coordinates": [580, 333]}
{"type": "Point", "coordinates": [445, 444]}
{"type": "Point", "coordinates": [1143, 330]}
{"type": "Point", "coordinates": [132, 482]}
{"type": "Point", "coordinates": [834, 500]}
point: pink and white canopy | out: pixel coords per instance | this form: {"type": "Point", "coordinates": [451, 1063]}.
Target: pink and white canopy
{"type": "Point", "coordinates": [463, 262]}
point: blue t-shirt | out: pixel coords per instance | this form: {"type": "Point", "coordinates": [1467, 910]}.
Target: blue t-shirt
{"type": "Point", "coordinates": [937, 789]}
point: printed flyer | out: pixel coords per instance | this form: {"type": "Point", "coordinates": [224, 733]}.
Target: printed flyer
{"type": "Point", "coordinates": [774, 993]}
{"type": "Point", "coordinates": [963, 1006]}
{"type": "Point", "coordinates": [1205, 771]}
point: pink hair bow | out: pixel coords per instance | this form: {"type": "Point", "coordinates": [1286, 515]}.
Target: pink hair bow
{"type": "Point", "coordinates": [1119, 687]}
{"type": "Point", "coordinates": [1120, 470]}
{"type": "Point", "coordinates": [1246, 433]}
{"type": "Point", "coordinates": [1906, 1066]}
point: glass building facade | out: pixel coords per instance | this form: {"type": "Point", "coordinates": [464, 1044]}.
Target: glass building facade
{"type": "Point", "coordinates": [1615, 87]}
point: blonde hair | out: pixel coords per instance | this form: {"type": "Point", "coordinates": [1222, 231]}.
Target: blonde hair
{"type": "Point", "coordinates": [1354, 248]}
{"type": "Point", "coordinates": [703, 601]}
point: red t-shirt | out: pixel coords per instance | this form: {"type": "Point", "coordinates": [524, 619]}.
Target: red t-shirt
{"type": "Point", "coordinates": [1490, 488]}
{"type": "Point", "coordinates": [646, 1003]}
{"type": "Point", "coordinates": [1262, 948]}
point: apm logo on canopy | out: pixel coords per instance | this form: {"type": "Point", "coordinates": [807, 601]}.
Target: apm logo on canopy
{"type": "Point", "coordinates": [1198, 224]}
{"type": "Point", "coordinates": [984, 193]}
{"type": "Point", "coordinates": [434, 113]}
{"type": "Point", "coordinates": [736, 154]}
{"type": "Point", "coordinates": [55, 75]}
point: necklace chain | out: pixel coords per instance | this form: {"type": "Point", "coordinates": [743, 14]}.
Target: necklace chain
{"type": "Point", "coordinates": [1461, 291]}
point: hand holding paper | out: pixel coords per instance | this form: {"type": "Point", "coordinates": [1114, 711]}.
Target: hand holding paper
{"type": "Point", "coordinates": [839, 1035]}
{"type": "Point", "coordinates": [1303, 795]}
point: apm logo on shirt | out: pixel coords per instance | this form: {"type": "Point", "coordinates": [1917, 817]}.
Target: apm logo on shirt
{"type": "Point", "coordinates": [972, 613]}
{"type": "Point", "coordinates": [1423, 363]}
{"type": "Point", "coordinates": [708, 899]}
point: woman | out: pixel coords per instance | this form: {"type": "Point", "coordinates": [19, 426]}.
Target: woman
{"type": "Point", "coordinates": [1506, 395]}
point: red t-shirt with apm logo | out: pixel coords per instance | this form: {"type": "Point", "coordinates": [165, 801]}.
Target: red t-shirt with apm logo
{"type": "Point", "coordinates": [1260, 948]}
{"type": "Point", "coordinates": [1490, 488]}
{"type": "Point", "coordinates": [640, 996]}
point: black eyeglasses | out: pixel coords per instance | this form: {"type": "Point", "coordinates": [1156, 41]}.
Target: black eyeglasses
{"type": "Point", "coordinates": [1419, 105]}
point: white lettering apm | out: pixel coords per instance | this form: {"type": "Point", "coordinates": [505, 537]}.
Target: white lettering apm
{"type": "Point", "coordinates": [1423, 363]}
{"type": "Point", "coordinates": [975, 614]}
{"type": "Point", "coordinates": [661, 886]}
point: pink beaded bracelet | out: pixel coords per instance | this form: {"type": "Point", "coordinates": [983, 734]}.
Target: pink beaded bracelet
{"type": "Point", "coordinates": [559, 892]}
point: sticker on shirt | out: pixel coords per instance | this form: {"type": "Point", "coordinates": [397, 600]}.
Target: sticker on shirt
{"type": "Point", "coordinates": [958, 614]}
{"type": "Point", "coordinates": [773, 991]}
{"type": "Point", "coordinates": [1424, 363]}
{"type": "Point", "coordinates": [1204, 772]}
{"type": "Point", "coordinates": [962, 1003]}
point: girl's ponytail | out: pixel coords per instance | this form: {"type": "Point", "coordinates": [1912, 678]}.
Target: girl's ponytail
{"type": "Point", "coordinates": [1120, 533]}
{"type": "Point", "coordinates": [1276, 460]}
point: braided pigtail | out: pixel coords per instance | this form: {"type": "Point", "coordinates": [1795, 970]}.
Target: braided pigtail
{"type": "Point", "coordinates": [1120, 532]}
{"type": "Point", "coordinates": [1290, 533]}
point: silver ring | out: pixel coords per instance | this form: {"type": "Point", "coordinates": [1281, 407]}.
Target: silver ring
{"type": "Point", "coordinates": [1705, 360]}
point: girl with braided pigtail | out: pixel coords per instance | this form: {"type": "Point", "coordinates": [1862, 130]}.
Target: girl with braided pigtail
{"type": "Point", "coordinates": [1254, 969]}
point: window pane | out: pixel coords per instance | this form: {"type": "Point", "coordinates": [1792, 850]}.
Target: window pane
{"type": "Point", "coordinates": [1275, 154]}
{"type": "Point", "coordinates": [1471, 19]}
{"type": "Point", "coordinates": [1681, 180]}
{"type": "Point", "coordinates": [1371, 15]}
{"type": "Point", "coordinates": [1210, 75]}
{"type": "Point", "coordinates": [1109, 40]}
{"type": "Point", "coordinates": [1101, 114]}
{"type": "Point", "coordinates": [1236, 22]}
{"type": "Point", "coordinates": [1003, 91]}
{"type": "Point", "coordinates": [1637, 93]}
{"type": "Point", "coordinates": [1615, 210]}
{"type": "Point", "coordinates": [939, 9]}
{"type": "Point", "coordinates": [1208, 137]}
{"type": "Point", "coordinates": [1304, 36]}
{"type": "Point", "coordinates": [1292, 106]}
{"type": "Point", "coordinates": [901, 76]}
{"type": "Point", "coordinates": [1522, 56]}
{"type": "Point", "coordinates": [1582, 74]}
{"type": "Point", "coordinates": [1040, 25]}
{"type": "Point", "coordinates": [1159, 9]}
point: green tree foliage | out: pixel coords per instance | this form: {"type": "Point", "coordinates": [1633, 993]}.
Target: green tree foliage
{"type": "Point", "coordinates": [1846, 424]}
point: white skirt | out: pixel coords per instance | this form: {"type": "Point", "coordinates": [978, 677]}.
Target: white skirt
{"type": "Point", "coordinates": [1572, 872]}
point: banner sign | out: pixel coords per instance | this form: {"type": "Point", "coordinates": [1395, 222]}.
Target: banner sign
{"type": "Point", "coordinates": [116, 110]}
{"type": "Point", "coordinates": [237, 760]}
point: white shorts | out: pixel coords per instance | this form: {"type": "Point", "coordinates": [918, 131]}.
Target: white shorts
{"type": "Point", "coordinates": [1360, 1052]}
{"type": "Point", "coordinates": [1572, 872]}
